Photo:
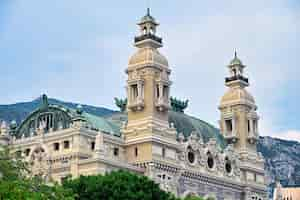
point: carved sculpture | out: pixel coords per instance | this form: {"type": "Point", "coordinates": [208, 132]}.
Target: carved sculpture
{"type": "Point", "coordinates": [121, 103]}
{"type": "Point", "coordinates": [177, 105]}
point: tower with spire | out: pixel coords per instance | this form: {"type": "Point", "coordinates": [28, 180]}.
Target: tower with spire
{"type": "Point", "coordinates": [148, 90]}
{"type": "Point", "coordinates": [239, 124]}
{"type": "Point", "coordinates": [239, 119]}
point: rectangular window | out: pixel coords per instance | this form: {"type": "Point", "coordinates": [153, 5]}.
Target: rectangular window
{"type": "Point", "coordinates": [27, 152]}
{"type": "Point", "coordinates": [228, 123]}
{"type": "Point", "coordinates": [157, 91]}
{"type": "Point", "coordinates": [56, 146]}
{"type": "Point", "coordinates": [92, 146]}
{"type": "Point", "coordinates": [134, 91]}
{"type": "Point", "coordinates": [136, 152]}
{"type": "Point", "coordinates": [66, 144]}
{"type": "Point", "coordinates": [166, 91]}
{"type": "Point", "coordinates": [116, 151]}
{"type": "Point", "coordinates": [248, 126]}
{"type": "Point", "coordinates": [163, 152]}
{"type": "Point", "coordinates": [255, 126]}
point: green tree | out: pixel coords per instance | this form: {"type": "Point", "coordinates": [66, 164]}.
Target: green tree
{"type": "Point", "coordinates": [193, 198]}
{"type": "Point", "coordinates": [116, 185]}
{"type": "Point", "coordinates": [16, 182]}
{"type": "Point", "coordinates": [12, 166]}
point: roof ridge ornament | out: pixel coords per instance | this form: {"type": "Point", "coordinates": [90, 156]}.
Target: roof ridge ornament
{"type": "Point", "coordinates": [44, 103]}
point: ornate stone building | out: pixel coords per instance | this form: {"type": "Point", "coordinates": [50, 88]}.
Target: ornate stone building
{"type": "Point", "coordinates": [287, 193]}
{"type": "Point", "coordinates": [147, 139]}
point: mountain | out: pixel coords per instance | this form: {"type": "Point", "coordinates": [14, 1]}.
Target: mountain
{"type": "Point", "coordinates": [282, 156]}
{"type": "Point", "coordinates": [19, 111]}
{"type": "Point", "coordinates": [282, 161]}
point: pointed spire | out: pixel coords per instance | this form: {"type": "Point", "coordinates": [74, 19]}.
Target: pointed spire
{"type": "Point", "coordinates": [235, 60]}
{"type": "Point", "coordinates": [148, 11]}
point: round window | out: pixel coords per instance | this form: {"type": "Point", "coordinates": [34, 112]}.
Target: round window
{"type": "Point", "coordinates": [191, 157]}
{"type": "Point", "coordinates": [210, 161]}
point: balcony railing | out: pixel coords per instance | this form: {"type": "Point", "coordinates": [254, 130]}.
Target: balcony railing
{"type": "Point", "coordinates": [236, 77]}
{"type": "Point", "coordinates": [162, 104]}
{"type": "Point", "coordinates": [253, 137]}
{"type": "Point", "coordinates": [230, 137]}
{"type": "Point", "coordinates": [147, 36]}
{"type": "Point", "coordinates": [136, 104]}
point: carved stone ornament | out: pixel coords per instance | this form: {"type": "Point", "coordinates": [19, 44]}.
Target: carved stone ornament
{"type": "Point", "coordinates": [39, 162]}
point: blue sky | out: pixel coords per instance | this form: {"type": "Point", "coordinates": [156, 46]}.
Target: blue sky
{"type": "Point", "coordinates": [78, 51]}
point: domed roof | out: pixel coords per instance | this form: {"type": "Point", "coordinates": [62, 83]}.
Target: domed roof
{"type": "Point", "coordinates": [184, 124]}
{"type": "Point", "coordinates": [235, 60]}
{"type": "Point", "coordinates": [237, 95]}
{"type": "Point", "coordinates": [148, 55]}
{"type": "Point", "coordinates": [147, 18]}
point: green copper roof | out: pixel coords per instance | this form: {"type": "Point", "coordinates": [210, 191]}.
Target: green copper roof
{"type": "Point", "coordinates": [102, 124]}
{"type": "Point", "coordinates": [184, 124]}
{"type": "Point", "coordinates": [236, 60]}
{"type": "Point", "coordinates": [112, 124]}
{"type": "Point", "coordinates": [147, 18]}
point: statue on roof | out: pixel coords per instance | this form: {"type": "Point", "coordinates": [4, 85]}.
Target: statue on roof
{"type": "Point", "coordinates": [121, 103]}
{"type": "Point", "coordinates": [178, 105]}
{"type": "Point", "coordinates": [44, 103]}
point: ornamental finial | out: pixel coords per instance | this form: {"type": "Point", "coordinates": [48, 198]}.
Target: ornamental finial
{"type": "Point", "coordinates": [44, 103]}
{"type": "Point", "coordinates": [148, 11]}
{"type": "Point", "coordinates": [235, 54]}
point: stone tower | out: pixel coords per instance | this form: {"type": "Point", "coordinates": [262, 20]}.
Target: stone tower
{"type": "Point", "coordinates": [239, 120]}
{"type": "Point", "coordinates": [148, 89]}
{"type": "Point", "coordinates": [239, 124]}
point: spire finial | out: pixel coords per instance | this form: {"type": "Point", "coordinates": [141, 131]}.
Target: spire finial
{"type": "Point", "coordinates": [235, 54]}
{"type": "Point", "coordinates": [148, 11]}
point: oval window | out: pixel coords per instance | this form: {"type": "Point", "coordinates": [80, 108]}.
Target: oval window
{"type": "Point", "coordinates": [191, 157]}
{"type": "Point", "coordinates": [228, 166]}
{"type": "Point", "coordinates": [210, 160]}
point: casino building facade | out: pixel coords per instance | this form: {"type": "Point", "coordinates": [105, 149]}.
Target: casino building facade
{"type": "Point", "coordinates": [146, 138]}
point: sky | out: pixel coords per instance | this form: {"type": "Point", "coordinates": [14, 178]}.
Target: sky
{"type": "Point", "coordinates": [78, 51]}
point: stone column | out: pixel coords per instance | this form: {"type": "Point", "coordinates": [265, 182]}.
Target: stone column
{"type": "Point", "coordinates": [139, 85]}
{"type": "Point", "coordinates": [233, 133]}
{"type": "Point", "coordinates": [160, 91]}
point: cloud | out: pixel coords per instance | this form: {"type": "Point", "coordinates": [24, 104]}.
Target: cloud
{"type": "Point", "coordinates": [288, 135]}
{"type": "Point", "coordinates": [80, 53]}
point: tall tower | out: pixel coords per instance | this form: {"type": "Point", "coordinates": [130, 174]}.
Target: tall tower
{"type": "Point", "coordinates": [148, 88]}
{"type": "Point", "coordinates": [239, 119]}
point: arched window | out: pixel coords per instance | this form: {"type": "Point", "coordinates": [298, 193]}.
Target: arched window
{"type": "Point", "coordinates": [152, 31]}
{"type": "Point", "coordinates": [45, 121]}
{"type": "Point", "coordinates": [234, 72]}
